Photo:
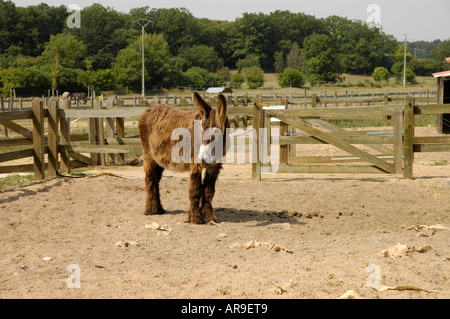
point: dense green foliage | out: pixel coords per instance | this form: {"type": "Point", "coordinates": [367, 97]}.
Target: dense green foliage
{"type": "Point", "coordinates": [39, 51]}
{"type": "Point", "coordinates": [321, 65]}
{"type": "Point", "coordinates": [440, 52]}
{"type": "Point", "coordinates": [291, 77]}
{"type": "Point", "coordinates": [237, 80]}
{"type": "Point", "coordinates": [254, 76]}
{"type": "Point", "coordinates": [381, 74]}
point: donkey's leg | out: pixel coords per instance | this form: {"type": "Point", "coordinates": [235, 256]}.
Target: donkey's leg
{"type": "Point", "coordinates": [195, 194]}
{"type": "Point", "coordinates": [153, 174]}
{"type": "Point", "coordinates": [209, 184]}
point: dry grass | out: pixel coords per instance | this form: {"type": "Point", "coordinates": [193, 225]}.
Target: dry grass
{"type": "Point", "coordinates": [350, 83]}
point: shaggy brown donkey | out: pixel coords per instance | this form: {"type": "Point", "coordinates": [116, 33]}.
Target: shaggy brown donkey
{"type": "Point", "coordinates": [158, 129]}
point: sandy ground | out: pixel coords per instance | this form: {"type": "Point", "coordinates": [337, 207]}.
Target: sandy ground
{"type": "Point", "coordinates": [288, 236]}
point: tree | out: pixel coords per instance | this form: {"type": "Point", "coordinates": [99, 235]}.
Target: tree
{"type": "Point", "coordinates": [320, 59]}
{"type": "Point", "coordinates": [8, 21]}
{"type": "Point", "coordinates": [63, 51]}
{"type": "Point", "coordinates": [440, 52]}
{"type": "Point", "coordinates": [127, 66]}
{"type": "Point", "coordinates": [397, 69]}
{"type": "Point", "coordinates": [224, 73]}
{"type": "Point", "coordinates": [422, 49]}
{"type": "Point", "coordinates": [26, 81]}
{"type": "Point", "coordinates": [254, 37]}
{"type": "Point", "coordinates": [105, 32]}
{"type": "Point", "coordinates": [399, 54]}
{"type": "Point", "coordinates": [359, 47]}
{"type": "Point", "coordinates": [36, 24]}
{"type": "Point", "coordinates": [279, 64]}
{"type": "Point", "coordinates": [249, 61]}
{"type": "Point", "coordinates": [294, 58]}
{"type": "Point", "coordinates": [237, 80]}
{"type": "Point", "coordinates": [425, 67]}
{"type": "Point", "coordinates": [178, 26]}
{"type": "Point", "coordinates": [201, 78]}
{"type": "Point", "coordinates": [254, 76]}
{"type": "Point", "coordinates": [291, 77]}
{"type": "Point", "coordinates": [104, 79]}
{"type": "Point", "coordinates": [218, 35]}
{"type": "Point", "coordinates": [201, 56]}
{"type": "Point", "coordinates": [410, 76]}
{"type": "Point", "coordinates": [381, 74]}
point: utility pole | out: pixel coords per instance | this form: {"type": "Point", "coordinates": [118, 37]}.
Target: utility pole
{"type": "Point", "coordinates": [143, 23]}
{"type": "Point", "coordinates": [404, 64]}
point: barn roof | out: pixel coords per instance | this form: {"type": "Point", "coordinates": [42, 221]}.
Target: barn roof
{"type": "Point", "coordinates": [441, 74]}
{"type": "Point", "coordinates": [219, 90]}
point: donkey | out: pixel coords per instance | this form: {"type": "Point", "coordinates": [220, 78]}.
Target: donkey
{"type": "Point", "coordinates": [156, 127]}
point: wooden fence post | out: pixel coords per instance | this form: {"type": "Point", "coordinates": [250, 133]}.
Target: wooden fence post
{"type": "Point", "coordinates": [100, 134]}
{"type": "Point", "coordinates": [119, 102]}
{"type": "Point", "coordinates": [440, 100]}
{"type": "Point", "coordinates": [38, 140]}
{"type": "Point", "coordinates": [93, 133]}
{"type": "Point", "coordinates": [120, 133]}
{"type": "Point", "coordinates": [65, 138]}
{"type": "Point", "coordinates": [11, 101]}
{"type": "Point", "coordinates": [2, 107]}
{"type": "Point", "coordinates": [398, 140]}
{"type": "Point", "coordinates": [408, 151]}
{"type": "Point", "coordinates": [257, 117]}
{"type": "Point", "coordinates": [110, 127]}
{"type": "Point", "coordinates": [284, 128]}
{"type": "Point", "coordinates": [386, 102]}
{"type": "Point", "coordinates": [53, 121]}
{"type": "Point", "coordinates": [110, 134]}
{"type": "Point", "coordinates": [314, 100]}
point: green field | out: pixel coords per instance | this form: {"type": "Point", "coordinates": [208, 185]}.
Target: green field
{"type": "Point", "coordinates": [355, 83]}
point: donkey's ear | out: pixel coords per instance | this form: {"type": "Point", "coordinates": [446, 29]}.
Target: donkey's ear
{"type": "Point", "coordinates": [204, 107]}
{"type": "Point", "coordinates": [221, 110]}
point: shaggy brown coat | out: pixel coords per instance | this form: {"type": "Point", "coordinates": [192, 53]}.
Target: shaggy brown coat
{"type": "Point", "coordinates": [155, 129]}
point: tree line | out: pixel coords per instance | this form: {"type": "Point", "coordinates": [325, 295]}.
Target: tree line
{"type": "Point", "coordinates": [39, 51]}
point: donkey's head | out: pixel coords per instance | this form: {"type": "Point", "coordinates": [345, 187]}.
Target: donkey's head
{"type": "Point", "coordinates": [214, 126]}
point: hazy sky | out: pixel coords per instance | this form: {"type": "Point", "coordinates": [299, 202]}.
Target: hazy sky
{"type": "Point", "coordinates": [419, 19]}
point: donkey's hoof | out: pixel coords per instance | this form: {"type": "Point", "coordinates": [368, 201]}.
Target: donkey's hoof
{"type": "Point", "coordinates": [208, 214]}
{"type": "Point", "coordinates": [156, 211]}
{"type": "Point", "coordinates": [195, 220]}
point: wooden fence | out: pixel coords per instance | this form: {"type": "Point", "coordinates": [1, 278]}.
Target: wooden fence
{"type": "Point", "coordinates": [309, 97]}
{"type": "Point", "coordinates": [317, 129]}
{"type": "Point", "coordinates": [55, 150]}
{"type": "Point", "coordinates": [60, 150]}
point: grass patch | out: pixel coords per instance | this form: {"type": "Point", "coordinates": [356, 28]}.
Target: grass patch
{"type": "Point", "coordinates": [14, 181]}
{"type": "Point", "coordinates": [438, 164]}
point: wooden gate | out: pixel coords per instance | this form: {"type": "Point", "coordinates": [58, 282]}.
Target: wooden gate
{"type": "Point", "coordinates": [384, 151]}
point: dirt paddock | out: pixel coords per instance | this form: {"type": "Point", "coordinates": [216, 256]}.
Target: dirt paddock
{"type": "Point", "coordinates": [289, 236]}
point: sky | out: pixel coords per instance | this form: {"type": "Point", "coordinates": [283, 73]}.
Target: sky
{"type": "Point", "coordinates": [426, 20]}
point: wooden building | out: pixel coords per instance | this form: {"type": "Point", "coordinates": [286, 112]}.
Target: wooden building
{"type": "Point", "coordinates": [443, 96]}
